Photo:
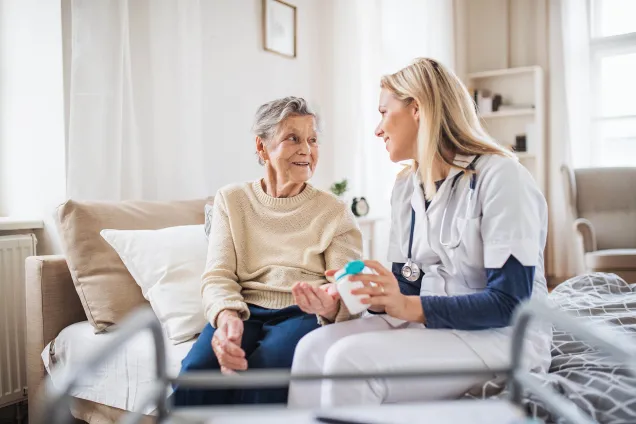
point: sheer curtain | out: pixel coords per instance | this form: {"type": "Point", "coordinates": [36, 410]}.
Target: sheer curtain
{"type": "Point", "coordinates": [569, 124]}
{"type": "Point", "coordinates": [135, 115]}
{"type": "Point", "coordinates": [575, 32]}
{"type": "Point", "coordinates": [377, 37]}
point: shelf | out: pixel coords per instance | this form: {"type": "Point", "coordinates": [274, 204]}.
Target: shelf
{"type": "Point", "coordinates": [368, 219]}
{"type": "Point", "coordinates": [507, 113]}
{"type": "Point", "coordinates": [503, 72]}
{"type": "Point", "coordinates": [524, 155]}
{"type": "Point", "coordinates": [11, 224]}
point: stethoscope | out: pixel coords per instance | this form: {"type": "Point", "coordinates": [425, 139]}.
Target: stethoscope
{"type": "Point", "coordinates": [410, 271]}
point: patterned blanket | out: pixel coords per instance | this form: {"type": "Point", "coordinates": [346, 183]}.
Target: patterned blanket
{"type": "Point", "coordinates": [603, 389]}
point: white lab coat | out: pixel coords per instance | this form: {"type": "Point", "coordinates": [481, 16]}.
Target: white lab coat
{"type": "Point", "coordinates": [508, 216]}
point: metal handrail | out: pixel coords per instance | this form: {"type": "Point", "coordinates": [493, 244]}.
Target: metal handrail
{"type": "Point", "coordinates": [621, 349]}
{"type": "Point", "coordinates": [277, 378]}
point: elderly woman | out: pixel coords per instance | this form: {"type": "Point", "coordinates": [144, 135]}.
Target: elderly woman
{"type": "Point", "coordinates": [270, 244]}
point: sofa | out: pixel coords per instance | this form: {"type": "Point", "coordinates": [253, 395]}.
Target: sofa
{"type": "Point", "coordinates": [602, 202]}
{"type": "Point", "coordinates": [88, 289]}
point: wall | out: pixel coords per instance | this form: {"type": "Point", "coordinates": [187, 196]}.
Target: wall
{"type": "Point", "coordinates": [494, 34]}
{"type": "Point", "coordinates": [374, 38]}
{"type": "Point", "coordinates": [497, 34]}
{"type": "Point", "coordinates": [343, 49]}
{"type": "Point", "coordinates": [243, 76]}
{"type": "Point", "coordinates": [32, 154]}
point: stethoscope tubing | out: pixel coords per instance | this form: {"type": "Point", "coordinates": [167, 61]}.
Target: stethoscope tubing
{"type": "Point", "coordinates": [449, 244]}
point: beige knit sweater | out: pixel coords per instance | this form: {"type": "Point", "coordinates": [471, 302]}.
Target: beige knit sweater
{"type": "Point", "coordinates": [261, 245]}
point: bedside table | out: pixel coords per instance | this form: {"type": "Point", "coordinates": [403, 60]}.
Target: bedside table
{"type": "Point", "coordinates": [367, 227]}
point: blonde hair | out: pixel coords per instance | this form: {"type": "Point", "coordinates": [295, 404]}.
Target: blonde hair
{"type": "Point", "coordinates": [448, 122]}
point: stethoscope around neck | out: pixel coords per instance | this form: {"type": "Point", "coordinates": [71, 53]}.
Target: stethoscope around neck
{"type": "Point", "coordinates": [410, 271]}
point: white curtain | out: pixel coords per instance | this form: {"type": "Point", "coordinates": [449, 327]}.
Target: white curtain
{"type": "Point", "coordinates": [135, 116]}
{"type": "Point", "coordinates": [569, 125]}
{"type": "Point", "coordinates": [575, 32]}
{"type": "Point", "coordinates": [377, 37]}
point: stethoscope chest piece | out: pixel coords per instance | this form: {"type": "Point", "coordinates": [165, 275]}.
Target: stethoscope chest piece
{"type": "Point", "coordinates": [411, 271]}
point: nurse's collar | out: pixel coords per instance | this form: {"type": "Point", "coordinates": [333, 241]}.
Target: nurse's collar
{"type": "Point", "coordinates": [461, 161]}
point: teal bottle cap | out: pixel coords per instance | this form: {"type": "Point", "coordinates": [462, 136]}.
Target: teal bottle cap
{"type": "Point", "coordinates": [352, 268]}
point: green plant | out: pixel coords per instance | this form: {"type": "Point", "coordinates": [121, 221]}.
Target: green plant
{"type": "Point", "coordinates": [339, 188]}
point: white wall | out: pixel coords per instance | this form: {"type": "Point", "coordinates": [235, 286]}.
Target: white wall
{"type": "Point", "coordinates": [496, 34]}
{"type": "Point", "coordinates": [32, 154]}
{"type": "Point", "coordinates": [343, 49]}
{"type": "Point", "coordinates": [501, 33]}
{"type": "Point", "coordinates": [196, 73]}
{"type": "Point", "coordinates": [374, 38]}
{"type": "Point", "coordinates": [243, 76]}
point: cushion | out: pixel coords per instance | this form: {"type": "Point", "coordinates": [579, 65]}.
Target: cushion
{"type": "Point", "coordinates": [106, 289]}
{"type": "Point", "coordinates": [167, 264]}
{"type": "Point", "coordinates": [611, 259]}
{"type": "Point", "coordinates": [124, 380]}
{"type": "Point", "coordinates": [208, 219]}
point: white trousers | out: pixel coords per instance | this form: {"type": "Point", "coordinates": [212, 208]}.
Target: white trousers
{"type": "Point", "coordinates": [370, 344]}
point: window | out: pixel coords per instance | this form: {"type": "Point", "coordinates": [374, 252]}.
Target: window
{"type": "Point", "coordinates": [613, 74]}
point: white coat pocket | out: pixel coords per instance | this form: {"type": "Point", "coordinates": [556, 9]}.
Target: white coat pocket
{"type": "Point", "coordinates": [469, 257]}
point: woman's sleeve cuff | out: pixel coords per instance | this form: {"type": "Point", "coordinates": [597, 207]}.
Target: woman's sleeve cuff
{"type": "Point", "coordinates": [343, 314]}
{"type": "Point", "coordinates": [430, 313]}
{"type": "Point", "coordinates": [216, 309]}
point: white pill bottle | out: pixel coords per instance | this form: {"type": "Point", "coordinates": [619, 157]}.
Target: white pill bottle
{"type": "Point", "coordinates": [345, 286]}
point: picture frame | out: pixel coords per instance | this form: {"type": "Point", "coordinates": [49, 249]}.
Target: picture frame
{"type": "Point", "coordinates": [280, 27]}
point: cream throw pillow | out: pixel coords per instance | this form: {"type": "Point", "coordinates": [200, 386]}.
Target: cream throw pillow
{"type": "Point", "coordinates": [167, 264]}
{"type": "Point", "coordinates": [105, 287]}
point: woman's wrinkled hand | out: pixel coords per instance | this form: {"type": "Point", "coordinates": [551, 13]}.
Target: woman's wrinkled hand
{"type": "Point", "coordinates": [385, 293]}
{"type": "Point", "coordinates": [226, 342]}
{"type": "Point", "coordinates": [322, 301]}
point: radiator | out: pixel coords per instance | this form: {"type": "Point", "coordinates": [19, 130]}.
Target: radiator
{"type": "Point", "coordinates": [14, 249]}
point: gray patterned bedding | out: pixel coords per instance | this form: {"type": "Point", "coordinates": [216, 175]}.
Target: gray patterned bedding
{"type": "Point", "coordinates": [603, 389]}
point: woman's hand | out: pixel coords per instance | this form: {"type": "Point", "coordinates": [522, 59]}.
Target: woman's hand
{"type": "Point", "coordinates": [322, 301]}
{"type": "Point", "coordinates": [386, 294]}
{"type": "Point", "coordinates": [226, 342]}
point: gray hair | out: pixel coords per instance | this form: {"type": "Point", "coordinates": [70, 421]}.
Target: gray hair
{"type": "Point", "coordinates": [271, 114]}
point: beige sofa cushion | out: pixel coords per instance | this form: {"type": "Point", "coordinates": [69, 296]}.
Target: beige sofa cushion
{"type": "Point", "coordinates": [611, 259]}
{"type": "Point", "coordinates": [105, 287]}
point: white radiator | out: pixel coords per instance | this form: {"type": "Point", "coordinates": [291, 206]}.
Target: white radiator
{"type": "Point", "coordinates": [14, 250]}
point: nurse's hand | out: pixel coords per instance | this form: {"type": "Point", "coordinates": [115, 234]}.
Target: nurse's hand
{"type": "Point", "coordinates": [322, 301]}
{"type": "Point", "coordinates": [386, 293]}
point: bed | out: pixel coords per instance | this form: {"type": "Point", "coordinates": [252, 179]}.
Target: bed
{"type": "Point", "coordinates": [605, 390]}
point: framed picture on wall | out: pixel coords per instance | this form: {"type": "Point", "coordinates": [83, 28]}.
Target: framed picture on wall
{"type": "Point", "coordinates": [279, 27]}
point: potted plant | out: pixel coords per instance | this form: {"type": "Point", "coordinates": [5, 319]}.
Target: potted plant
{"type": "Point", "coordinates": [339, 188]}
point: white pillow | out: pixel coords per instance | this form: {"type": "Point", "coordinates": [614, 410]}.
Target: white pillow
{"type": "Point", "coordinates": [167, 264]}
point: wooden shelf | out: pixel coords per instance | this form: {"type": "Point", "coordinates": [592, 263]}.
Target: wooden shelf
{"type": "Point", "coordinates": [524, 155]}
{"type": "Point", "coordinates": [13, 223]}
{"type": "Point", "coordinates": [368, 219]}
{"type": "Point", "coordinates": [507, 113]}
{"type": "Point", "coordinates": [503, 72]}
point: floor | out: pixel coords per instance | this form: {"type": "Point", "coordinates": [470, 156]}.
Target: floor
{"type": "Point", "coordinates": [9, 414]}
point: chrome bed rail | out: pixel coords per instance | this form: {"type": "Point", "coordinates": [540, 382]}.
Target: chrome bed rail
{"type": "Point", "coordinates": [56, 399]}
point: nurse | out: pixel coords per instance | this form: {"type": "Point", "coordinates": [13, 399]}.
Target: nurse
{"type": "Point", "coordinates": [468, 229]}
